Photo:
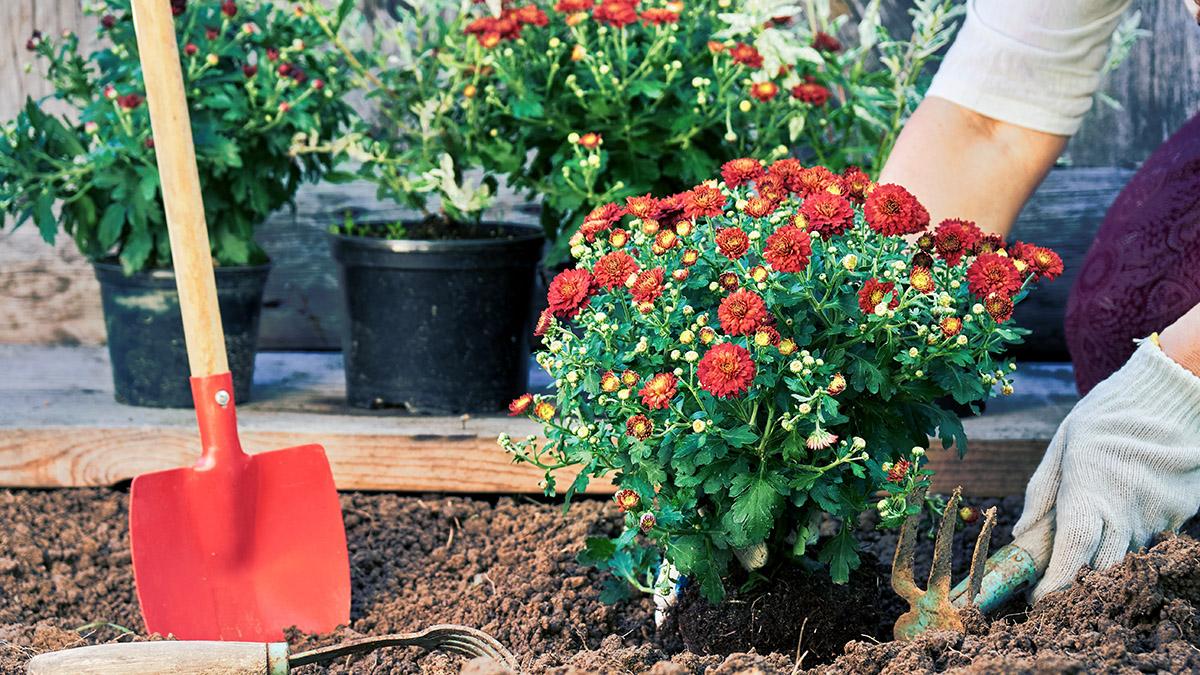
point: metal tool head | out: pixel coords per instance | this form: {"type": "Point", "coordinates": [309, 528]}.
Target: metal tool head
{"type": "Point", "coordinates": [931, 609]}
{"type": "Point", "coordinates": [239, 547]}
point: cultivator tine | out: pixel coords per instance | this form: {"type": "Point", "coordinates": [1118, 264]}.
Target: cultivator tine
{"type": "Point", "coordinates": [979, 556]}
{"type": "Point", "coordinates": [456, 639]}
{"type": "Point", "coordinates": [929, 609]}
{"type": "Point", "coordinates": [903, 578]}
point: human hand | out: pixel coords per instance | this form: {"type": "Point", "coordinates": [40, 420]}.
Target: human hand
{"type": "Point", "coordinates": [1123, 466]}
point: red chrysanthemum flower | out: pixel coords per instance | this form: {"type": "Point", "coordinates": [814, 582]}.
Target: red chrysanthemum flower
{"type": "Point", "coordinates": [616, 13]}
{"type": "Point", "coordinates": [1043, 262]}
{"type": "Point", "coordinates": [764, 91]}
{"type": "Point", "coordinates": [609, 382]}
{"type": "Point", "coordinates": [664, 241]}
{"type": "Point", "coordinates": [759, 207]}
{"type": "Point", "coordinates": [591, 140]}
{"type": "Point", "coordinates": [742, 312]}
{"type": "Point", "coordinates": [857, 182]}
{"type": "Point", "coordinates": [658, 16]}
{"type": "Point", "coordinates": [824, 42]}
{"type": "Point", "coordinates": [728, 281]}
{"type": "Point", "coordinates": [993, 273]}
{"type": "Point", "coordinates": [899, 471]}
{"type": "Point", "coordinates": [613, 269]}
{"type": "Point", "coordinates": [746, 55]}
{"type": "Point", "coordinates": [629, 378]}
{"type": "Point", "coordinates": [817, 179]}
{"type": "Point", "coordinates": [788, 170]}
{"type": "Point", "coordinates": [545, 320]}
{"type": "Point", "coordinates": [827, 213]}
{"type": "Point", "coordinates": [837, 384]}
{"type": "Point", "coordinates": [951, 326]}
{"type": "Point", "coordinates": [531, 15]}
{"type": "Point", "coordinates": [732, 242]}
{"type": "Point", "coordinates": [990, 243]}
{"type": "Point", "coordinates": [130, 101]}
{"type": "Point", "coordinates": [572, 6]}
{"type": "Point", "coordinates": [600, 219]}
{"type": "Point", "coordinates": [999, 306]}
{"type": "Point", "coordinates": [645, 207]}
{"type": "Point", "coordinates": [767, 336]}
{"type": "Point", "coordinates": [689, 257]}
{"type": "Point", "coordinates": [742, 170]}
{"type": "Point", "coordinates": [639, 427]}
{"type": "Point", "coordinates": [544, 410]}
{"type": "Point", "coordinates": [893, 211]}
{"type": "Point", "coordinates": [716, 47]}
{"type": "Point", "coordinates": [703, 200]}
{"type": "Point", "coordinates": [788, 249]}
{"type": "Point", "coordinates": [627, 500]}
{"type": "Point", "coordinates": [659, 390]}
{"type": "Point", "coordinates": [520, 405]}
{"type": "Point", "coordinates": [648, 285]}
{"type": "Point", "coordinates": [570, 292]}
{"type": "Point", "coordinates": [772, 187]}
{"type": "Point", "coordinates": [873, 292]}
{"type": "Point", "coordinates": [812, 93]}
{"type": "Point", "coordinates": [726, 370]}
{"type": "Point", "coordinates": [954, 238]}
{"type": "Point", "coordinates": [921, 278]}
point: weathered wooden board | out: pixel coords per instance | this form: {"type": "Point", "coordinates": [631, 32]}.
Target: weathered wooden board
{"type": "Point", "coordinates": [59, 427]}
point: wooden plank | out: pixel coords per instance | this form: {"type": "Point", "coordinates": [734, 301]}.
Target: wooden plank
{"type": "Point", "coordinates": [1158, 88]}
{"type": "Point", "coordinates": [59, 427]}
{"type": "Point", "coordinates": [62, 457]}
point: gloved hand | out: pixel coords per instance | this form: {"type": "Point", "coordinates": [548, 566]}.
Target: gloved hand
{"type": "Point", "coordinates": [1123, 466]}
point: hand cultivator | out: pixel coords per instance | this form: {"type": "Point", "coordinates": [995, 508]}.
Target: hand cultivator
{"type": "Point", "coordinates": [254, 658]}
{"type": "Point", "coordinates": [989, 584]}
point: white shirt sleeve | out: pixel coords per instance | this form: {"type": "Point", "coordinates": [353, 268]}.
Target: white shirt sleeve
{"type": "Point", "coordinates": [1033, 63]}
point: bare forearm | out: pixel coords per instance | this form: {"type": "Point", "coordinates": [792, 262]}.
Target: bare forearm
{"type": "Point", "coordinates": [1181, 340]}
{"type": "Point", "coordinates": [961, 164]}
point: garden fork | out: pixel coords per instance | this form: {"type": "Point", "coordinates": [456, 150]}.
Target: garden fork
{"type": "Point", "coordinates": [932, 608]}
{"type": "Point", "coordinates": [254, 658]}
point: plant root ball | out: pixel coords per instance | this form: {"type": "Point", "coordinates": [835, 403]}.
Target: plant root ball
{"type": "Point", "coordinates": [793, 607]}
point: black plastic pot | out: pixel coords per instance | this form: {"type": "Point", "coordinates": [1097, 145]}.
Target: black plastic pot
{"type": "Point", "coordinates": [145, 332]}
{"type": "Point", "coordinates": [438, 326]}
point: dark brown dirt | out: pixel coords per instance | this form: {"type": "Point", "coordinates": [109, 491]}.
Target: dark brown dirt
{"type": "Point", "coordinates": [508, 567]}
{"type": "Point", "coordinates": [793, 610]}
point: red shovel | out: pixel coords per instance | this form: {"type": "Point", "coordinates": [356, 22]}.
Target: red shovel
{"type": "Point", "coordinates": [237, 547]}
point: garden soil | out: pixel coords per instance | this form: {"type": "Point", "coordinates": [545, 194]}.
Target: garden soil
{"type": "Point", "coordinates": [508, 566]}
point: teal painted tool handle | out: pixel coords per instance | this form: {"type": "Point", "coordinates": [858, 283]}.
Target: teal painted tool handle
{"type": "Point", "coordinates": [1011, 569]}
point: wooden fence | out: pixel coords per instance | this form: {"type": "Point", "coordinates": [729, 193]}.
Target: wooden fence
{"type": "Point", "coordinates": [48, 295]}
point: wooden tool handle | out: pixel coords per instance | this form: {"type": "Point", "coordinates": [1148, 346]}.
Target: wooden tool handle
{"type": "Point", "coordinates": [180, 185]}
{"type": "Point", "coordinates": [177, 658]}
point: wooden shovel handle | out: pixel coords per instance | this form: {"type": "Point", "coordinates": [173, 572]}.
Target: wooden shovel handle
{"type": "Point", "coordinates": [180, 184]}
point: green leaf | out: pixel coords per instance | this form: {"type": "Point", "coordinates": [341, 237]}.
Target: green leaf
{"type": "Point", "coordinates": [756, 502]}
{"type": "Point", "coordinates": [528, 107]}
{"type": "Point", "coordinates": [841, 554]}
{"type": "Point", "coordinates": [596, 551]}
{"type": "Point", "coordinates": [43, 216]}
{"type": "Point", "coordinates": [864, 375]}
{"type": "Point", "coordinates": [740, 436]}
{"type": "Point", "coordinates": [111, 224]}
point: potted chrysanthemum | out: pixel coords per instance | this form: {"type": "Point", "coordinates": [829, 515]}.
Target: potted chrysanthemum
{"type": "Point", "coordinates": [753, 356]}
{"type": "Point", "coordinates": [255, 77]}
{"type": "Point", "coordinates": [438, 304]}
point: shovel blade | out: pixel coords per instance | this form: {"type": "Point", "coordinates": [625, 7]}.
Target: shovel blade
{"type": "Point", "coordinates": [241, 550]}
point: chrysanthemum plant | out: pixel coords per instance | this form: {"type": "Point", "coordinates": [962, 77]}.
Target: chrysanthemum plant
{"type": "Point", "coordinates": [255, 76]}
{"type": "Point", "coordinates": [752, 355]}
{"type": "Point", "coordinates": [583, 102]}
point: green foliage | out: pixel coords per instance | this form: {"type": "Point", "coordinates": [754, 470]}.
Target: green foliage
{"type": "Point", "coordinates": [96, 165]}
{"type": "Point", "coordinates": [411, 148]}
{"type": "Point", "coordinates": [670, 102]}
{"type": "Point", "coordinates": [845, 392]}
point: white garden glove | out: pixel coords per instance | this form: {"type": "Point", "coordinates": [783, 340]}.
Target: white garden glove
{"type": "Point", "coordinates": [1123, 466]}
